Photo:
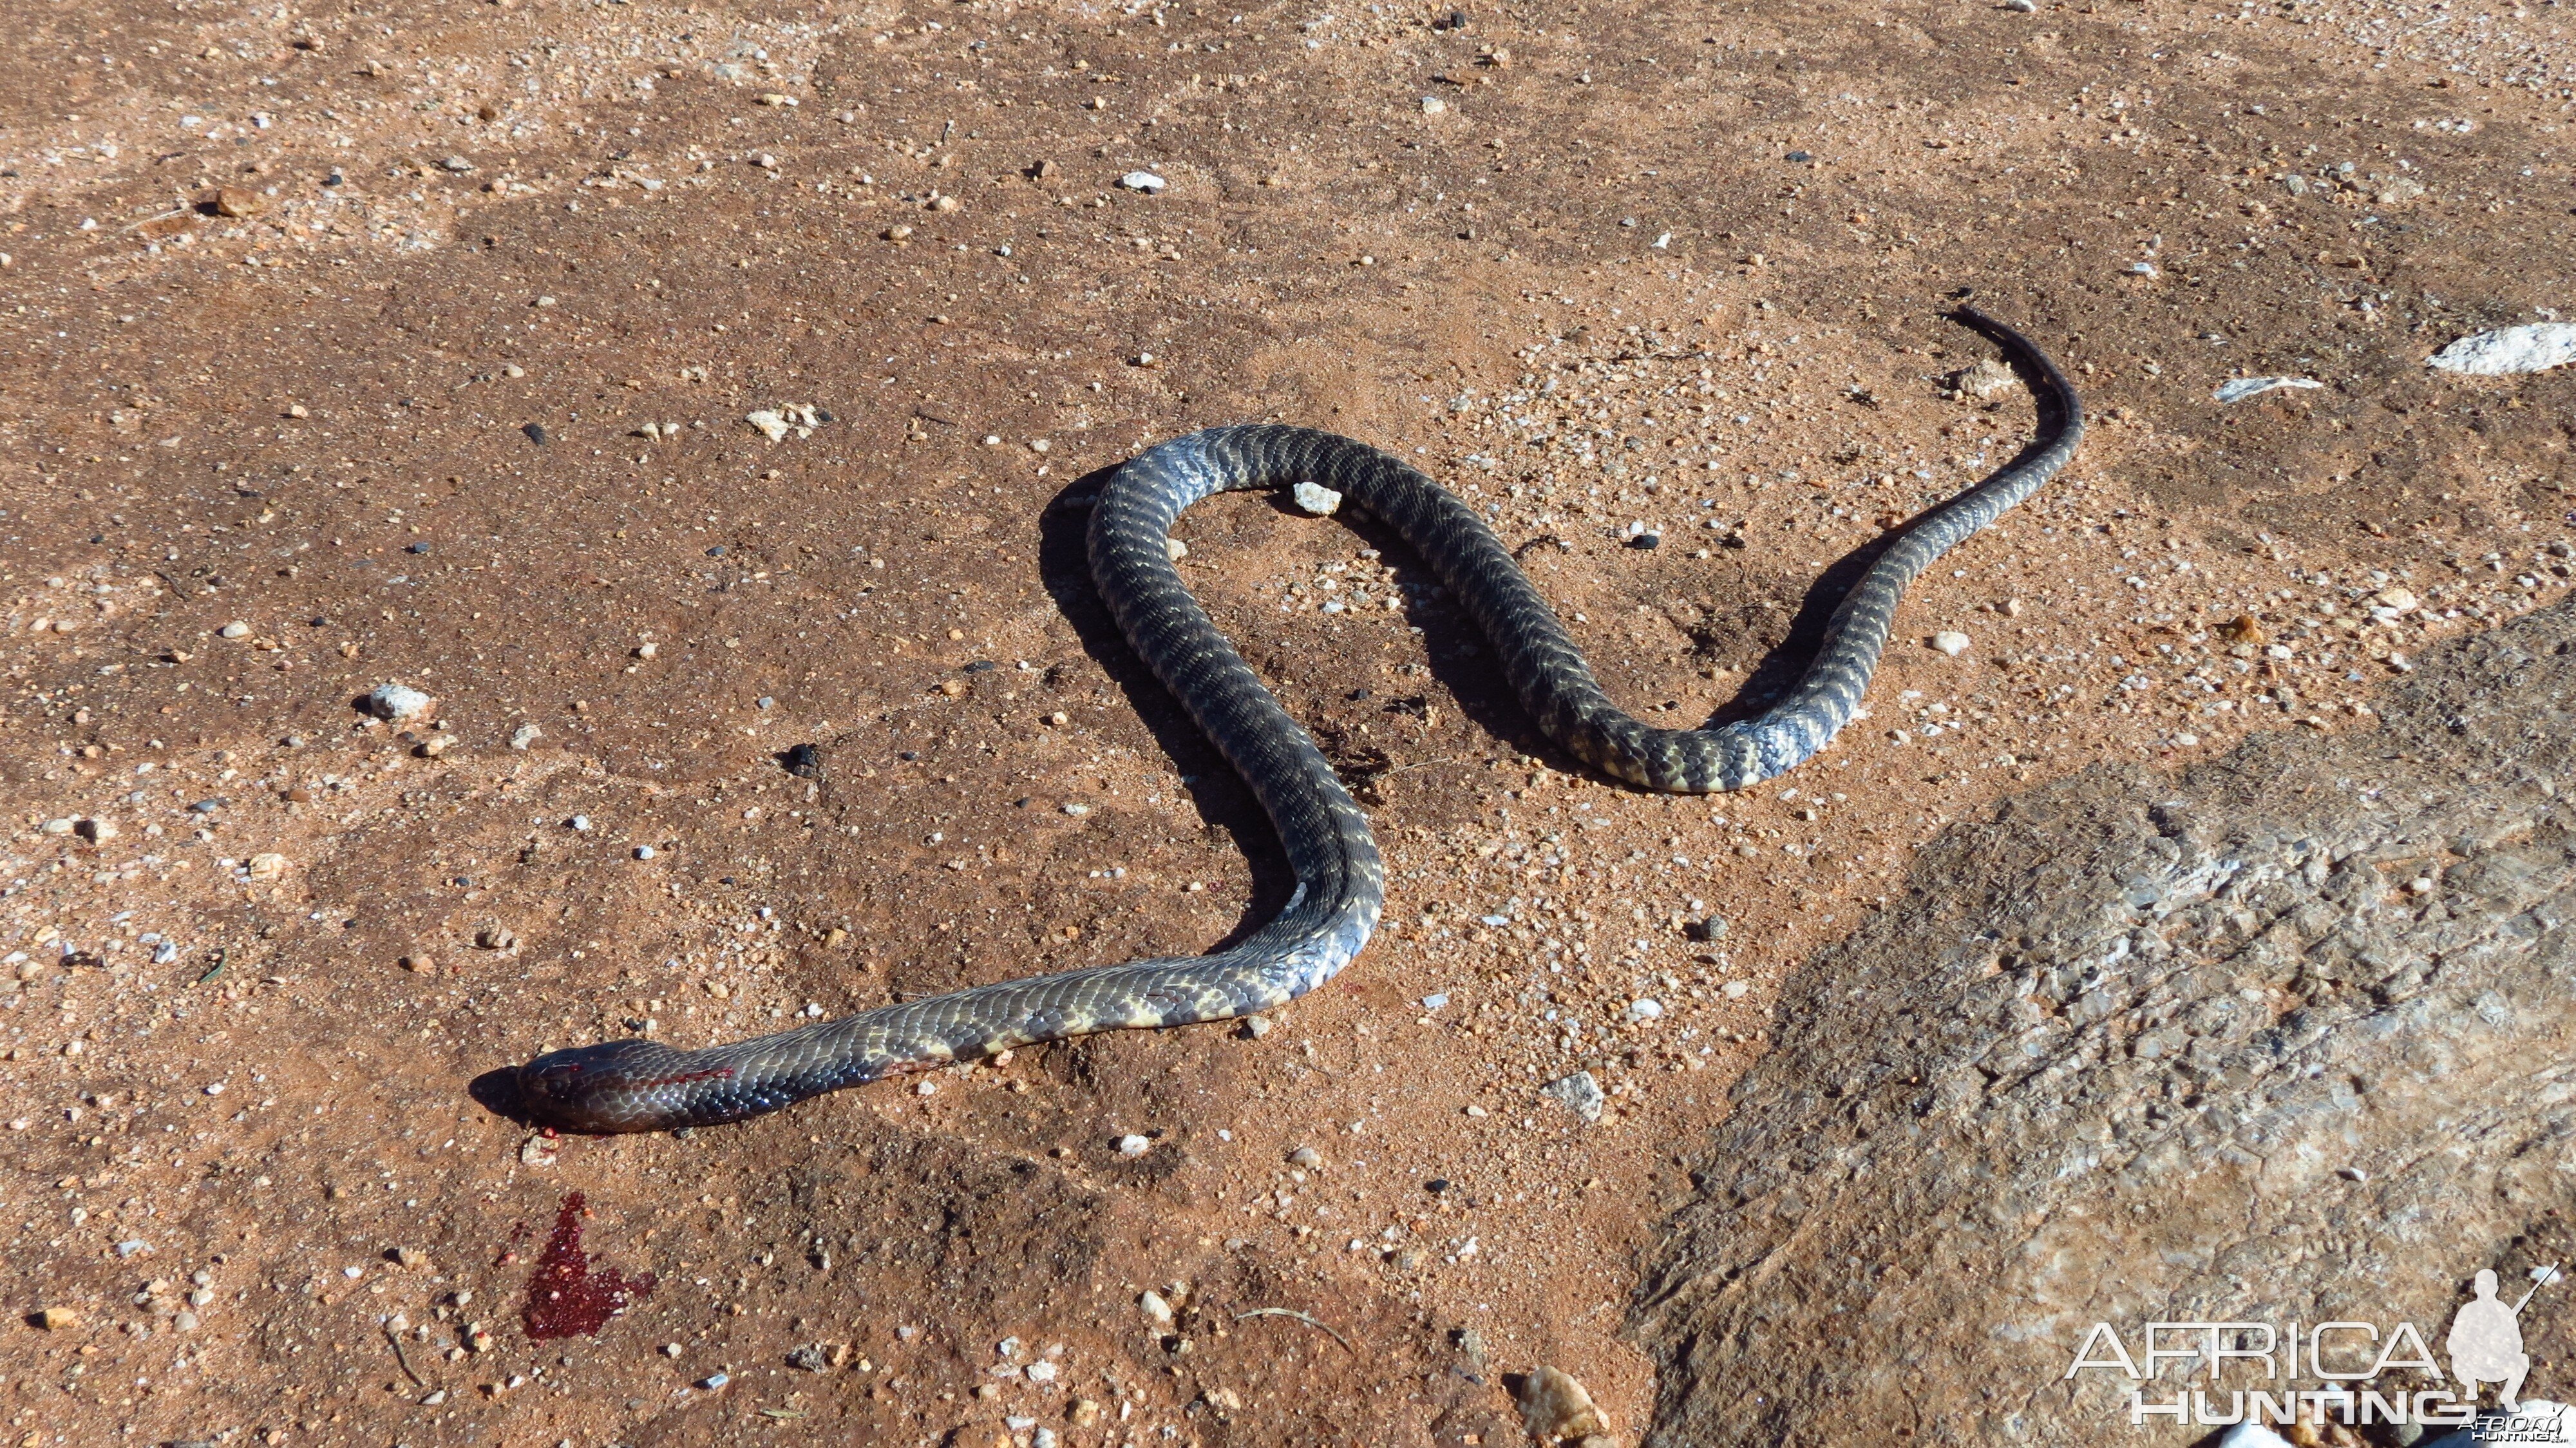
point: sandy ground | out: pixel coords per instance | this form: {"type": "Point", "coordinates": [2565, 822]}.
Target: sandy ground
{"type": "Point", "coordinates": [415, 343]}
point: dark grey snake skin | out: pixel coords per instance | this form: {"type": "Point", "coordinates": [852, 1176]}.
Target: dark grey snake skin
{"type": "Point", "coordinates": [639, 1085]}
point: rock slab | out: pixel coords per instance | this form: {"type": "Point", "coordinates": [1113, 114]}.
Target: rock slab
{"type": "Point", "coordinates": [2287, 1038]}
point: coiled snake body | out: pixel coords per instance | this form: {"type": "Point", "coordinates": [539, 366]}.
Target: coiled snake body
{"type": "Point", "coordinates": [637, 1085]}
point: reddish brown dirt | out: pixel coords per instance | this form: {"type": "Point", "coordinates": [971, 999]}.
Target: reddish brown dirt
{"type": "Point", "coordinates": [392, 418]}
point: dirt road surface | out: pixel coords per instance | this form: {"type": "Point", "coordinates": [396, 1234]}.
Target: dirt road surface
{"type": "Point", "coordinates": [661, 387]}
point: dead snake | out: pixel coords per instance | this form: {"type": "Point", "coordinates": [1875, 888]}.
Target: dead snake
{"type": "Point", "coordinates": [640, 1085]}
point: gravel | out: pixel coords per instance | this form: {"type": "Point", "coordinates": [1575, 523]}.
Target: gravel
{"type": "Point", "coordinates": [1142, 181]}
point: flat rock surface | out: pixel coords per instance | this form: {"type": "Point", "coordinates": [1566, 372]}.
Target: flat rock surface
{"type": "Point", "coordinates": [2282, 1039]}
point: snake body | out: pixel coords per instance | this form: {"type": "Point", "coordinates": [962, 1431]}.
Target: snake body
{"type": "Point", "coordinates": [638, 1085]}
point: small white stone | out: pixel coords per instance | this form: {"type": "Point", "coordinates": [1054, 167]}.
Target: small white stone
{"type": "Point", "coordinates": [1133, 1145]}
{"type": "Point", "coordinates": [1156, 1310]}
{"type": "Point", "coordinates": [645, 852]}
{"type": "Point", "coordinates": [399, 703]}
{"type": "Point", "coordinates": [1434, 105]}
{"type": "Point", "coordinates": [2237, 389]}
{"type": "Point", "coordinates": [235, 630]}
{"type": "Point", "coordinates": [1645, 1010]}
{"type": "Point", "coordinates": [525, 735]}
{"type": "Point", "coordinates": [1175, 549]}
{"type": "Point", "coordinates": [1144, 181]}
{"type": "Point", "coordinates": [1951, 642]}
{"type": "Point", "coordinates": [1315, 498]}
{"type": "Point", "coordinates": [771, 425]}
{"type": "Point", "coordinates": [267, 865]}
{"type": "Point", "coordinates": [1042, 1372]}
{"type": "Point", "coordinates": [2534, 348]}
{"type": "Point", "coordinates": [1076, 808]}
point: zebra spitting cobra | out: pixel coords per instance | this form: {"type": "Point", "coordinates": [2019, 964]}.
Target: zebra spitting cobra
{"type": "Point", "coordinates": [639, 1085]}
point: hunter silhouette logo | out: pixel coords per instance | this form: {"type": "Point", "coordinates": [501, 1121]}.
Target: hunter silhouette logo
{"type": "Point", "coordinates": [2486, 1340]}
{"type": "Point", "coordinates": [2223, 1373]}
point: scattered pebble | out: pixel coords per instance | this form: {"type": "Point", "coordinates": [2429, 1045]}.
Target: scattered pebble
{"type": "Point", "coordinates": [1434, 105]}
{"type": "Point", "coordinates": [1133, 1145]}
{"type": "Point", "coordinates": [1156, 1310]}
{"type": "Point", "coordinates": [239, 201]}
{"type": "Point", "coordinates": [1645, 1009]}
{"type": "Point", "coordinates": [525, 735]}
{"type": "Point", "coordinates": [1554, 1405]}
{"type": "Point", "coordinates": [400, 703]}
{"type": "Point", "coordinates": [713, 1381]}
{"type": "Point", "coordinates": [1076, 808]}
{"type": "Point", "coordinates": [267, 865]}
{"type": "Point", "coordinates": [235, 630]}
{"type": "Point", "coordinates": [796, 417]}
{"type": "Point", "coordinates": [1144, 181]}
{"type": "Point", "coordinates": [456, 165]}
{"type": "Point", "coordinates": [1951, 642]}
{"type": "Point", "coordinates": [58, 1319]}
{"type": "Point", "coordinates": [1579, 1092]}
{"type": "Point", "coordinates": [2237, 389]}
{"type": "Point", "coordinates": [2533, 348]}
{"type": "Point", "coordinates": [2022, 7]}
{"type": "Point", "coordinates": [646, 852]}
{"type": "Point", "coordinates": [1175, 549]}
{"type": "Point", "coordinates": [1306, 1157]}
{"type": "Point", "coordinates": [1315, 498]}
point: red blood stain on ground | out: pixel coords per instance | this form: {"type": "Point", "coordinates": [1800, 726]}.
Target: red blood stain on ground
{"type": "Point", "coordinates": [565, 1297]}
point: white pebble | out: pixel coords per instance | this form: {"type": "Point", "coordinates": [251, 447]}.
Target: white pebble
{"type": "Point", "coordinates": [235, 630]}
{"type": "Point", "coordinates": [645, 852]}
{"type": "Point", "coordinates": [399, 703]}
{"type": "Point", "coordinates": [1145, 181]}
{"type": "Point", "coordinates": [1156, 1310]}
{"type": "Point", "coordinates": [1175, 549]}
{"type": "Point", "coordinates": [1645, 1010]}
{"type": "Point", "coordinates": [1434, 105]}
{"type": "Point", "coordinates": [525, 735]}
{"type": "Point", "coordinates": [1076, 808]}
{"type": "Point", "coordinates": [926, 1088]}
{"type": "Point", "coordinates": [1951, 642]}
{"type": "Point", "coordinates": [1316, 498]}
{"type": "Point", "coordinates": [2534, 348]}
{"type": "Point", "coordinates": [2237, 389]}
{"type": "Point", "coordinates": [1133, 1145]}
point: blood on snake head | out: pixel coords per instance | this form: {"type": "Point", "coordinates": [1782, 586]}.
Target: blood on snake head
{"type": "Point", "coordinates": [613, 1086]}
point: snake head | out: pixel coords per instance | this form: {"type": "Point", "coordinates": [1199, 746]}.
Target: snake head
{"type": "Point", "coordinates": [607, 1087]}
